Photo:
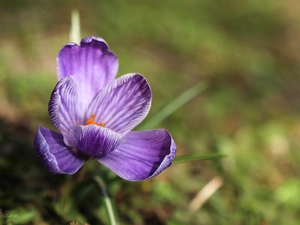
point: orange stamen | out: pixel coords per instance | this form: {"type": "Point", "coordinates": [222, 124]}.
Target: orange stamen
{"type": "Point", "coordinates": [92, 121]}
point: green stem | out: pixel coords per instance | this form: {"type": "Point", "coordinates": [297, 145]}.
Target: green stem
{"type": "Point", "coordinates": [107, 200]}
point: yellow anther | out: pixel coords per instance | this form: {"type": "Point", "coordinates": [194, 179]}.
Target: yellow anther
{"type": "Point", "coordinates": [92, 121]}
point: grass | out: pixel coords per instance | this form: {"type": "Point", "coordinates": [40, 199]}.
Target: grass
{"type": "Point", "coordinates": [249, 111]}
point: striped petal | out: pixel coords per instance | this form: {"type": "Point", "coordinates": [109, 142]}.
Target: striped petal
{"type": "Point", "coordinates": [54, 154]}
{"type": "Point", "coordinates": [95, 141]}
{"type": "Point", "coordinates": [144, 154]}
{"type": "Point", "coordinates": [63, 107]}
{"type": "Point", "coordinates": [92, 64]}
{"type": "Point", "coordinates": [123, 104]}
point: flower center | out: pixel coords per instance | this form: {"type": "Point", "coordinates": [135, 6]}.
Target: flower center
{"type": "Point", "coordinates": [92, 121]}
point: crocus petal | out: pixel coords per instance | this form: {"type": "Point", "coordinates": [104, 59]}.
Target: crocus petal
{"type": "Point", "coordinates": [63, 106]}
{"type": "Point", "coordinates": [92, 64]}
{"type": "Point", "coordinates": [123, 104]}
{"type": "Point", "coordinates": [144, 154]}
{"type": "Point", "coordinates": [95, 141]}
{"type": "Point", "coordinates": [55, 155]}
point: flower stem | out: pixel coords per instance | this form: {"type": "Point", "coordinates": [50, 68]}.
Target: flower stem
{"type": "Point", "coordinates": [107, 200]}
{"type": "Point", "coordinates": [75, 27]}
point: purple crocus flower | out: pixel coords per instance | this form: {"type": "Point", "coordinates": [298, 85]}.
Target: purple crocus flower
{"type": "Point", "coordinates": [95, 114]}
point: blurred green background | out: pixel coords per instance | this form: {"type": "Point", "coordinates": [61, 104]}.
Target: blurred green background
{"type": "Point", "coordinates": [246, 52]}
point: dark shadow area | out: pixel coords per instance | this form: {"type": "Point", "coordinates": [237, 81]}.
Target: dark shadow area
{"type": "Point", "coordinates": [24, 180]}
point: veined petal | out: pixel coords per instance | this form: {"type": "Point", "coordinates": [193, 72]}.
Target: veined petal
{"type": "Point", "coordinates": [55, 155]}
{"type": "Point", "coordinates": [92, 64]}
{"type": "Point", "coordinates": [144, 154]}
{"type": "Point", "coordinates": [63, 106]}
{"type": "Point", "coordinates": [95, 141]}
{"type": "Point", "coordinates": [123, 104]}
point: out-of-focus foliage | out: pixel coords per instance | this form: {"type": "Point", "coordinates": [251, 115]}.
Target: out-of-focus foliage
{"type": "Point", "coordinates": [248, 52]}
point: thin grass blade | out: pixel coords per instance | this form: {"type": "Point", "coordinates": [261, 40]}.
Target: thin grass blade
{"type": "Point", "coordinates": [174, 105]}
{"type": "Point", "coordinates": [193, 157]}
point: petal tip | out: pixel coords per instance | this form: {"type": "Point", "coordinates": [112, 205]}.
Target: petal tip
{"type": "Point", "coordinates": [95, 42]}
{"type": "Point", "coordinates": [54, 154]}
{"type": "Point", "coordinates": [86, 41]}
{"type": "Point", "coordinates": [42, 150]}
{"type": "Point", "coordinates": [168, 158]}
{"type": "Point", "coordinates": [93, 38]}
